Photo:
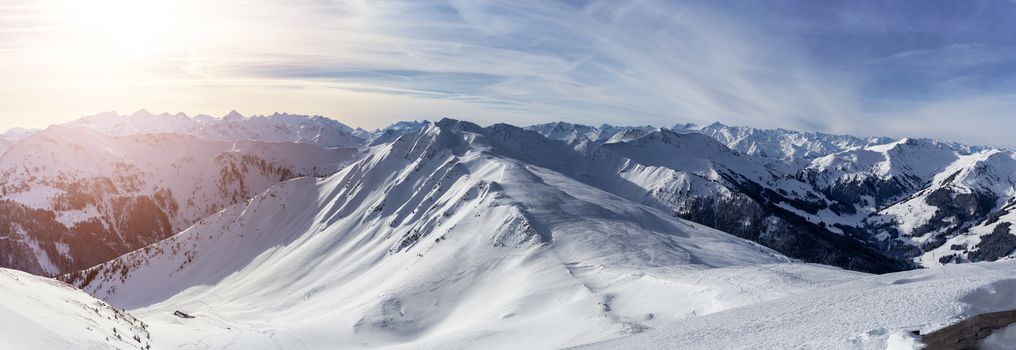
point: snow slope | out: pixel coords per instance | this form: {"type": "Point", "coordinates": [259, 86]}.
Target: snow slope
{"type": "Point", "coordinates": [861, 314]}
{"type": "Point", "coordinates": [5, 144]}
{"type": "Point", "coordinates": [440, 239]}
{"type": "Point", "coordinates": [569, 132]}
{"type": "Point", "coordinates": [40, 313]}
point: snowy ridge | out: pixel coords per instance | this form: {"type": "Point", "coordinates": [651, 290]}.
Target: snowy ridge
{"type": "Point", "coordinates": [775, 143]}
{"type": "Point", "coordinates": [438, 238]}
{"type": "Point", "coordinates": [576, 132]}
{"type": "Point", "coordinates": [16, 134]}
{"type": "Point", "coordinates": [277, 127]}
{"type": "Point", "coordinates": [392, 132]}
{"type": "Point", "coordinates": [780, 143]}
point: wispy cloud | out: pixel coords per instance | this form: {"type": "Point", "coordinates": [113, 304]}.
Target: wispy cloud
{"type": "Point", "coordinates": [835, 67]}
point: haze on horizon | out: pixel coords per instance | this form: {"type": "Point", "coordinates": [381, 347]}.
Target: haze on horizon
{"type": "Point", "coordinates": [935, 69]}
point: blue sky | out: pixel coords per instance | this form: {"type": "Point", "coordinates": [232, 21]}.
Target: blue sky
{"type": "Point", "coordinates": [942, 69]}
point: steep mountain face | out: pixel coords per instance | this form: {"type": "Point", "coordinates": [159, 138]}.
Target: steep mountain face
{"type": "Point", "coordinates": [916, 200]}
{"type": "Point", "coordinates": [745, 196]}
{"type": "Point", "coordinates": [278, 127]}
{"type": "Point", "coordinates": [963, 215]}
{"type": "Point", "coordinates": [73, 198]}
{"type": "Point", "coordinates": [452, 235]}
{"type": "Point", "coordinates": [876, 176]}
{"type": "Point", "coordinates": [40, 313]}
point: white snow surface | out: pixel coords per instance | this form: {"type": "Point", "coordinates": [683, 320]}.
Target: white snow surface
{"type": "Point", "coordinates": [5, 143]}
{"type": "Point", "coordinates": [861, 314]}
{"type": "Point", "coordinates": [41, 313]}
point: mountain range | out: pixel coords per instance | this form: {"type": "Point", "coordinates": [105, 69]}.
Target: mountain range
{"type": "Point", "coordinates": [300, 232]}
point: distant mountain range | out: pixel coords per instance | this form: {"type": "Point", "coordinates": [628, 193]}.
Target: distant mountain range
{"type": "Point", "coordinates": [871, 204]}
{"type": "Point", "coordinates": [72, 197]}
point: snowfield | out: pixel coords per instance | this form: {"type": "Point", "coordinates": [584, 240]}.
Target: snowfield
{"type": "Point", "coordinates": [40, 313]}
{"type": "Point", "coordinates": [864, 313]}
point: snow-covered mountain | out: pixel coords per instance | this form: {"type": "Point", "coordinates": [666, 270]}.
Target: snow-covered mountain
{"type": "Point", "coordinates": [8, 138]}
{"type": "Point", "coordinates": [5, 144]}
{"type": "Point", "coordinates": [745, 196]}
{"type": "Point", "coordinates": [458, 236]}
{"type": "Point", "coordinates": [277, 127]}
{"type": "Point", "coordinates": [775, 143]}
{"type": "Point", "coordinates": [40, 313]}
{"type": "Point", "coordinates": [780, 143]}
{"type": "Point", "coordinates": [73, 198]}
{"type": "Point", "coordinates": [963, 214]}
{"type": "Point", "coordinates": [392, 132]}
{"type": "Point", "coordinates": [895, 195]}
{"type": "Point", "coordinates": [448, 235]}
{"type": "Point", "coordinates": [853, 207]}
{"type": "Point", "coordinates": [575, 132]}
{"type": "Point", "coordinates": [16, 134]}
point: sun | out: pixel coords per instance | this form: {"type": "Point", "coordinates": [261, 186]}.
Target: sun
{"type": "Point", "coordinates": [118, 29]}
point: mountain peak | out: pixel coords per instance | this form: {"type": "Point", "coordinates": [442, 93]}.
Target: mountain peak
{"type": "Point", "coordinates": [233, 114]}
{"type": "Point", "coordinates": [458, 125]}
{"type": "Point", "coordinates": [142, 113]}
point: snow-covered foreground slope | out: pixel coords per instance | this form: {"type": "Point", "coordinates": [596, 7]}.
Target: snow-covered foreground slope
{"type": "Point", "coordinates": [40, 313]}
{"type": "Point", "coordinates": [435, 240]}
{"type": "Point", "coordinates": [866, 313]}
